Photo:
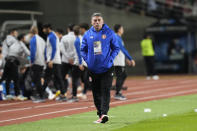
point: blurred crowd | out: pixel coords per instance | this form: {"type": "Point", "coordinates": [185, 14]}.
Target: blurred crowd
{"type": "Point", "coordinates": [45, 64]}
{"type": "Point", "coordinates": [18, 74]}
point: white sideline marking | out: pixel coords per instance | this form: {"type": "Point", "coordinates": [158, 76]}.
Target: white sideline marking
{"type": "Point", "coordinates": [148, 84]}
{"type": "Point", "coordinates": [159, 89]}
{"type": "Point", "coordinates": [156, 85]}
{"type": "Point", "coordinates": [33, 107]}
{"type": "Point", "coordinates": [126, 94]}
{"type": "Point", "coordinates": [112, 103]}
{"type": "Point", "coordinates": [16, 103]}
{"type": "Point", "coordinates": [16, 109]}
{"type": "Point", "coordinates": [156, 96]}
{"type": "Point", "coordinates": [48, 113]}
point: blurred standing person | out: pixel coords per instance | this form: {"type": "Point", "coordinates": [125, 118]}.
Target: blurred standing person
{"type": "Point", "coordinates": [37, 49]}
{"type": "Point", "coordinates": [54, 62]}
{"type": "Point", "coordinates": [68, 51]}
{"type": "Point", "coordinates": [148, 53]}
{"type": "Point", "coordinates": [12, 48]}
{"type": "Point", "coordinates": [77, 66]}
{"type": "Point", "coordinates": [119, 62]}
{"type": "Point", "coordinates": [99, 48]}
{"type": "Point", "coordinates": [84, 74]}
{"type": "Point", "coordinates": [59, 33]}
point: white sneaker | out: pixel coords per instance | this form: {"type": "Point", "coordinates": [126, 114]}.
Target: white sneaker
{"type": "Point", "coordinates": [155, 77]}
{"type": "Point", "coordinates": [20, 98]}
{"type": "Point", "coordinates": [51, 96]}
{"type": "Point", "coordinates": [79, 88]}
{"type": "Point", "coordinates": [80, 95]}
{"type": "Point", "coordinates": [148, 78]}
{"type": "Point", "coordinates": [84, 97]}
{"type": "Point", "coordinates": [9, 97]}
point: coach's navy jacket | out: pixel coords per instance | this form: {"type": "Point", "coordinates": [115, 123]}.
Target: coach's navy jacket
{"type": "Point", "coordinates": [99, 49]}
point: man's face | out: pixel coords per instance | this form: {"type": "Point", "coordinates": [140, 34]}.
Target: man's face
{"type": "Point", "coordinates": [45, 30]}
{"type": "Point", "coordinates": [121, 30]}
{"type": "Point", "coordinates": [97, 22]}
{"type": "Point", "coordinates": [59, 35]}
{"type": "Point", "coordinates": [15, 33]}
{"type": "Point", "coordinates": [82, 31]}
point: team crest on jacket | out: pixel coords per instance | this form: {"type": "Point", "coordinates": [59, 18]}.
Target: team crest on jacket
{"type": "Point", "coordinates": [103, 36]}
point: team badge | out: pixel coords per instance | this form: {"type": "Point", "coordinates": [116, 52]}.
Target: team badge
{"type": "Point", "coordinates": [104, 36]}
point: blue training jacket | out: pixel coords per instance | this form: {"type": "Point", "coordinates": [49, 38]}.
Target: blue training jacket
{"type": "Point", "coordinates": [77, 47]}
{"type": "Point", "coordinates": [122, 48]}
{"type": "Point", "coordinates": [99, 49]}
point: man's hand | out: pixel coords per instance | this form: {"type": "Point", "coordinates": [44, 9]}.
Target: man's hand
{"type": "Point", "coordinates": [71, 61]}
{"type": "Point", "coordinates": [81, 67]}
{"type": "Point", "coordinates": [130, 62]}
{"type": "Point", "coordinates": [50, 64]}
{"type": "Point", "coordinates": [133, 63]}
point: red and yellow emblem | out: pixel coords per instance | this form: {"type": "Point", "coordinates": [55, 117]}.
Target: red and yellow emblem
{"type": "Point", "coordinates": [104, 36]}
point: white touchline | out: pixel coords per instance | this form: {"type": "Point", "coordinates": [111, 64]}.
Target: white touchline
{"type": "Point", "coordinates": [156, 96]}
{"type": "Point", "coordinates": [16, 103]}
{"type": "Point", "coordinates": [16, 109]}
{"type": "Point", "coordinates": [152, 85]}
{"type": "Point", "coordinates": [149, 84]}
{"type": "Point", "coordinates": [34, 107]}
{"type": "Point", "coordinates": [155, 90]}
{"type": "Point", "coordinates": [126, 94]}
{"type": "Point", "coordinates": [48, 113]}
{"type": "Point", "coordinates": [112, 103]}
{"type": "Point", "coordinates": [136, 86]}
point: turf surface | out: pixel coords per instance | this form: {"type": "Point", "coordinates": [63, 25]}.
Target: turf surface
{"type": "Point", "coordinates": [129, 117]}
{"type": "Point", "coordinates": [183, 122]}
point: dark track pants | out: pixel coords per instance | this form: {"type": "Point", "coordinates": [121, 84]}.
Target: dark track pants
{"type": "Point", "coordinates": [57, 74]}
{"type": "Point", "coordinates": [11, 73]}
{"type": "Point", "coordinates": [149, 62]}
{"type": "Point", "coordinates": [101, 84]}
{"type": "Point", "coordinates": [66, 69]}
{"type": "Point", "coordinates": [120, 77]}
{"type": "Point", "coordinates": [37, 71]}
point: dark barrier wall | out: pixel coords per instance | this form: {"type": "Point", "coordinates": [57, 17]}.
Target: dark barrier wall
{"type": "Point", "coordinates": [62, 12]}
{"type": "Point", "coordinates": [59, 12]}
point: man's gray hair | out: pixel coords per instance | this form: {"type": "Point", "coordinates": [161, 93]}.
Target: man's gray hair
{"type": "Point", "coordinates": [96, 14]}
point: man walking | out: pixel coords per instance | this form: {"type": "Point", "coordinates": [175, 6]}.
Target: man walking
{"type": "Point", "coordinates": [99, 48]}
{"type": "Point", "coordinates": [119, 62]}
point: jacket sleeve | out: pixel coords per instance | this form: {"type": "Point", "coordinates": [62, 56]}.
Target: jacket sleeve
{"type": "Point", "coordinates": [53, 45]}
{"type": "Point", "coordinates": [123, 49]}
{"type": "Point", "coordinates": [4, 50]}
{"type": "Point", "coordinates": [84, 49]}
{"type": "Point", "coordinates": [77, 47]}
{"type": "Point", "coordinates": [33, 49]}
{"type": "Point", "coordinates": [114, 46]}
{"type": "Point", "coordinates": [25, 49]}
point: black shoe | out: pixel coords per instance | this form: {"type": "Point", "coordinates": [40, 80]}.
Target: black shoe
{"type": "Point", "coordinates": [124, 88]}
{"type": "Point", "coordinates": [61, 98]}
{"type": "Point", "coordinates": [120, 97]}
{"type": "Point", "coordinates": [39, 100]}
{"type": "Point", "coordinates": [104, 118]}
{"type": "Point", "coordinates": [99, 114]}
{"type": "Point", "coordinates": [73, 99]}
